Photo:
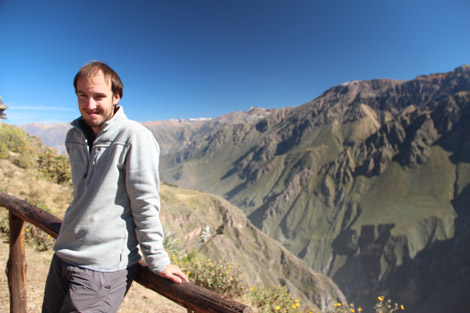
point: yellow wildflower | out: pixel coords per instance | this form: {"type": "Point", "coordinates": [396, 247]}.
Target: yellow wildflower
{"type": "Point", "coordinates": [278, 308]}
{"type": "Point", "coordinates": [381, 299]}
{"type": "Point", "coordinates": [402, 307]}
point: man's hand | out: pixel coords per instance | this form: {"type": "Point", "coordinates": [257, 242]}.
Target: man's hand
{"type": "Point", "coordinates": [173, 273]}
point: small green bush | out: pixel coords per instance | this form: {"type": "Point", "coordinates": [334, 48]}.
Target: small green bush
{"type": "Point", "coordinates": [275, 300]}
{"type": "Point", "coordinates": [54, 167]}
{"type": "Point", "coordinates": [38, 238]}
{"type": "Point", "coordinates": [383, 306]}
{"type": "Point", "coordinates": [219, 276]}
{"type": "Point", "coordinates": [15, 146]}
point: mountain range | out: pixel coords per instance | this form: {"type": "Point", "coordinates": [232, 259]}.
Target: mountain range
{"type": "Point", "coordinates": [369, 183]}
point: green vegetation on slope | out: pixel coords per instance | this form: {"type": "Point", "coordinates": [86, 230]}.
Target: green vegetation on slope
{"type": "Point", "coordinates": [43, 180]}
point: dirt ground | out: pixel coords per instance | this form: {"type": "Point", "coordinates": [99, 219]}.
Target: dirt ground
{"type": "Point", "coordinates": [139, 299]}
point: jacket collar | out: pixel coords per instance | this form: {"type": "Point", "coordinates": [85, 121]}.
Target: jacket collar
{"type": "Point", "coordinates": [114, 122]}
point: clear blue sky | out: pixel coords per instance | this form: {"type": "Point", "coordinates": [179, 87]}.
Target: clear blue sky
{"type": "Point", "coordinates": [204, 58]}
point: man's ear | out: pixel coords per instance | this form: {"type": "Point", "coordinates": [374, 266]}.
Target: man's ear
{"type": "Point", "coordinates": [116, 98]}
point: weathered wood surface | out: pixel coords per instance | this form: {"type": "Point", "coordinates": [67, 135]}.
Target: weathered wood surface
{"type": "Point", "coordinates": [42, 219]}
{"type": "Point", "coordinates": [16, 266]}
{"type": "Point", "coordinates": [196, 299]}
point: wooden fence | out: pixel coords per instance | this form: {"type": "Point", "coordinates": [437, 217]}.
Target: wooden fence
{"type": "Point", "coordinates": [194, 298]}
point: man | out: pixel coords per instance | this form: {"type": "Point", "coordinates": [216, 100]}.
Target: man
{"type": "Point", "coordinates": [115, 205]}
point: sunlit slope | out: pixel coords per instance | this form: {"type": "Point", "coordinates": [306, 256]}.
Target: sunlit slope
{"type": "Point", "coordinates": [261, 259]}
{"type": "Point", "coordinates": [377, 167]}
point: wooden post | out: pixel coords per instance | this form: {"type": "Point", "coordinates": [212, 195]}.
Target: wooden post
{"type": "Point", "coordinates": [16, 266]}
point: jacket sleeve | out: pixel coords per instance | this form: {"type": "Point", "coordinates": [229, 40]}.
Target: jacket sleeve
{"type": "Point", "coordinates": [142, 182]}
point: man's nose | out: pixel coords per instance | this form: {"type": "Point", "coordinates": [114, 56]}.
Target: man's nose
{"type": "Point", "coordinates": [90, 103]}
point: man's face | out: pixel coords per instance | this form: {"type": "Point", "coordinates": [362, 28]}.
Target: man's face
{"type": "Point", "coordinates": [96, 100]}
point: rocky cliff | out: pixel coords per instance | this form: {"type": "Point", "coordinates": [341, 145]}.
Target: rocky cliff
{"type": "Point", "coordinates": [368, 183]}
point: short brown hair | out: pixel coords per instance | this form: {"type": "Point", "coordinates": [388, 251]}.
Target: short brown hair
{"type": "Point", "coordinates": [92, 68]}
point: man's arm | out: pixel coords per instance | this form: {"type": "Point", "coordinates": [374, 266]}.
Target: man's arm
{"type": "Point", "coordinates": [142, 181]}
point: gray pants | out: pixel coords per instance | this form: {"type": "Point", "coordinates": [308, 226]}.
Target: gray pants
{"type": "Point", "coordinates": [71, 288]}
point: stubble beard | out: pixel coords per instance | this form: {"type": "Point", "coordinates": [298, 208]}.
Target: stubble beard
{"type": "Point", "coordinates": [98, 122]}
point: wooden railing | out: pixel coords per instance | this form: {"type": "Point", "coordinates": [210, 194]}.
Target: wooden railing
{"type": "Point", "coordinates": [194, 298]}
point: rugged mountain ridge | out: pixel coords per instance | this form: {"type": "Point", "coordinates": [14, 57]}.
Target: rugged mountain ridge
{"type": "Point", "coordinates": [357, 182]}
{"type": "Point", "coordinates": [174, 135]}
{"type": "Point", "coordinates": [53, 135]}
{"type": "Point", "coordinates": [368, 183]}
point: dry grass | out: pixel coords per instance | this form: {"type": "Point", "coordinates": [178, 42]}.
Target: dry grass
{"type": "Point", "coordinates": [38, 265]}
{"type": "Point", "coordinates": [139, 299]}
{"type": "Point", "coordinates": [26, 185]}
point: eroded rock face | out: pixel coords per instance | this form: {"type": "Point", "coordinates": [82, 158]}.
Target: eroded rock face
{"type": "Point", "coordinates": [357, 182]}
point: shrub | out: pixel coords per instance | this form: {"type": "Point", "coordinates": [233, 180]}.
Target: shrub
{"type": "Point", "coordinates": [14, 145]}
{"type": "Point", "coordinates": [219, 276]}
{"type": "Point", "coordinates": [383, 306]}
{"type": "Point", "coordinates": [380, 307]}
{"type": "Point", "coordinates": [54, 167]}
{"type": "Point", "coordinates": [37, 237]}
{"type": "Point", "coordinates": [275, 300]}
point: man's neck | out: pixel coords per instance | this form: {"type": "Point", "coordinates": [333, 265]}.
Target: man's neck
{"type": "Point", "coordinates": [88, 132]}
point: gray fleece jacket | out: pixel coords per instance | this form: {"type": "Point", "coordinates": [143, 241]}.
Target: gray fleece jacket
{"type": "Point", "coordinates": [115, 203]}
